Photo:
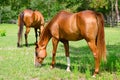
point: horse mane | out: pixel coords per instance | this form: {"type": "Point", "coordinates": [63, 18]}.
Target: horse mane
{"type": "Point", "coordinates": [46, 32]}
{"type": "Point", "coordinates": [49, 24]}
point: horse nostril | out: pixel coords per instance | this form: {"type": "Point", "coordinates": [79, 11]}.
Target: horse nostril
{"type": "Point", "coordinates": [41, 59]}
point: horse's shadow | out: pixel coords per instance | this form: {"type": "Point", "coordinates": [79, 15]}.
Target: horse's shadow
{"type": "Point", "coordinates": [29, 45]}
{"type": "Point", "coordinates": [75, 58]}
{"type": "Point", "coordinates": [82, 59]}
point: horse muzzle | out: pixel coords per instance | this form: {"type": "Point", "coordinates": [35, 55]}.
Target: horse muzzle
{"type": "Point", "coordinates": [37, 64]}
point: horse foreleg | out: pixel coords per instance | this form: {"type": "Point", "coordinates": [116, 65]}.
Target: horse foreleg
{"type": "Point", "coordinates": [26, 34]}
{"type": "Point", "coordinates": [66, 46]}
{"type": "Point", "coordinates": [68, 64]}
{"type": "Point", "coordinates": [41, 28]}
{"type": "Point", "coordinates": [93, 48]}
{"type": "Point", "coordinates": [36, 35]}
{"type": "Point", "coordinates": [55, 43]}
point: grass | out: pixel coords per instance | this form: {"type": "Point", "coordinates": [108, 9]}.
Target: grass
{"type": "Point", "coordinates": [2, 33]}
{"type": "Point", "coordinates": [17, 63]}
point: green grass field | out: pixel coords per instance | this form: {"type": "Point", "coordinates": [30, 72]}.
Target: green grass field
{"type": "Point", "coordinates": [17, 63]}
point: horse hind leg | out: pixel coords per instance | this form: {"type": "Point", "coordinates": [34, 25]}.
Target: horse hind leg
{"type": "Point", "coordinates": [55, 43]}
{"type": "Point", "coordinates": [26, 36]}
{"type": "Point", "coordinates": [66, 46]}
{"type": "Point", "coordinates": [18, 43]}
{"type": "Point", "coordinates": [94, 49]}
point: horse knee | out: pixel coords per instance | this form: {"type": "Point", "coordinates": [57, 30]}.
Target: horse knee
{"type": "Point", "coordinates": [95, 55]}
{"type": "Point", "coordinates": [67, 54]}
{"type": "Point", "coordinates": [53, 54]}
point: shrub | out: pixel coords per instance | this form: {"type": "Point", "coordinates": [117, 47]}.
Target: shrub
{"type": "Point", "coordinates": [2, 33]}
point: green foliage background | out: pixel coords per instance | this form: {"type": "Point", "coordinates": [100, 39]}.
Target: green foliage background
{"type": "Point", "coordinates": [9, 9]}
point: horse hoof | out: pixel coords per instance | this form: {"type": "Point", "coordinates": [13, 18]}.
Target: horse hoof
{"type": "Point", "coordinates": [68, 70]}
{"type": "Point", "coordinates": [94, 76]}
{"type": "Point", "coordinates": [51, 67]}
{"type": "Point", "coordinates": [18, 45]}
{"type": "Point", "coordinates": [95, 73]}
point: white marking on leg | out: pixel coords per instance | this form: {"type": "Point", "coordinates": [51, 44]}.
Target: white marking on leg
{"type": "Point", "coordinates": [68, 64]}
{"type": "Point", "coordinates": [94, 76]}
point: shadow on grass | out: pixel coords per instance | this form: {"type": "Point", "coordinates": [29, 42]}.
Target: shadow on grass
{"type": "Point", "coordinates": [113, 58]}
{"type": "Point", "coordinates": [29, 45]}
{"type": "Point", "coordinates": [82, 59]}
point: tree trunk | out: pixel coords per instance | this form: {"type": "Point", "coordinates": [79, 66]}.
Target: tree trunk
{"type": "Point", "coordinates": [0, 17]}
{"type": "Point", "coordinates": [117, 11]}
{"type": "Point", "coordinates": [111, 20]}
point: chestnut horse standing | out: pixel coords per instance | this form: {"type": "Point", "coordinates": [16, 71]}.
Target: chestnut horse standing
{"type": "Point", "coordinates": [64, 27]}
{"type": "Point", "coordinates": [30, 19]}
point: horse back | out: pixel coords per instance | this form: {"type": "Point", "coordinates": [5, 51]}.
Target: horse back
{"type": "Point", "coordinates": [63, 26]}
{"type": "Point", "coordinates": [77, 26]}
{"type": "Point", "coordinates": [33, 18]}
{"type": "Point", "coordinates": [38, 18]}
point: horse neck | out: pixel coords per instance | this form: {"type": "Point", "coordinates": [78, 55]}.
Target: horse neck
{"type": "Point", "coordinates": [44, 38]}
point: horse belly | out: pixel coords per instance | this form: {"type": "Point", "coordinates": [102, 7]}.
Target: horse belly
{"type": "Point", "coordinates": [71, 36]}
{"type": "Point", "coordinates": [35, 25]}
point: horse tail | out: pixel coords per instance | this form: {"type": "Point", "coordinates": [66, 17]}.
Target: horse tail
{"type": "Point", "coordinates": [20, 25]}
{"type": "Point", "coordinates": [101, 37]}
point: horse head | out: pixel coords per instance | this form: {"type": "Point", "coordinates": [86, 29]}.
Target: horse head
{"type": "Point", "coordinates": [40, 54]}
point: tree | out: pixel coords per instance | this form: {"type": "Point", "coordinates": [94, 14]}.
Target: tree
{"type": "Point", "coordinates": [47, 7]}
{"type": "Point", "coordinates": [9, 9]}
{"type": "Point", "coordinates": [117, 11]}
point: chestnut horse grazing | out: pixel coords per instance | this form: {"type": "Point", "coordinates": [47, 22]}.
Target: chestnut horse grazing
{"type": "Point", "coordinates": [30, 19]}
{"type": "Point", "coordinates": [64, 27]}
